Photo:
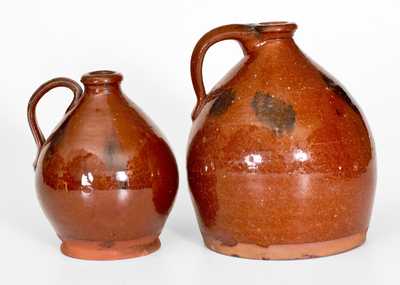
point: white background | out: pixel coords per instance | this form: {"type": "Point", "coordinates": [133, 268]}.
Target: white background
{"type": "Point", "coordinates": [151, 42]}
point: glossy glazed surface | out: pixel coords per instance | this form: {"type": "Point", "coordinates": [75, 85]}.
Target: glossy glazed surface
{"type": "Point", "coordinates": [106, 174]}
{"type": "Point", "coordinates": [279, 154]}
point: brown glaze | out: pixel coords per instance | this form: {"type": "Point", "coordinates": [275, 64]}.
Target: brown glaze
{"type": "Point", "coordinates": [281, 163]}
{"type": "Point", "coordinates": [105, 177]}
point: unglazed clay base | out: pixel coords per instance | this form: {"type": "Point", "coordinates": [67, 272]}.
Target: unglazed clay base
{"type": "Point", "coordinates": [108, 250]}
{"type": "Point", "coordinates": [288, 251]}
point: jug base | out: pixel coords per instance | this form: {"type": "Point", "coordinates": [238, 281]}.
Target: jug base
{"type": "Point", "coordinates": [109, 250]}
{"type": "Point", "coordinates": [288, 251]}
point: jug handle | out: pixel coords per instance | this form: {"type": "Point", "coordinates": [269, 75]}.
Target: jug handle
{"type": "Point", "coordinates": [39, 93]}
{"type": "Point", "coordinates": [236, 32]}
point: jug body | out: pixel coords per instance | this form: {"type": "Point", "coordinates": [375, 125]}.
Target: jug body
{"type": "Point", "coordinates": [106, 178]}
{"type": "Point", "coordinates": [281, 163]}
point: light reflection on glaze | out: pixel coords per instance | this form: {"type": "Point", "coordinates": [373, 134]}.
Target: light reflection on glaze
{"type": "Point", "coordinates": [123, 195]}
{"type": "Point", "coordinates": [253, 160]}
{"type": "Point", "coordinates": [86, 194]}
{"type": "Point", "coordinates": [300, 155]}
{"type": "Point", "coordinates": [304, 184]}
{"type": "Point", "coordinates": [87, 179]}
{"type": "Point", "coordinates": [121, 176]}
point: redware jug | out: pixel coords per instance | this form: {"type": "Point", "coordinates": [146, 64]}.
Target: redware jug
{"type": "Point", "coordinates": [281, 163]}
{"type": "Point", "coordinates": [106, 179]}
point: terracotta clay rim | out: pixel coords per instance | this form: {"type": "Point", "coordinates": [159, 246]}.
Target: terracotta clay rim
{"type": "Point", "coordinates": [288, 251]}
{"type": "Point", "coordinates": [100, 250]}
{"type": "Point", "coordinates": [276, 27]}
{"type": "Point", "coordinates": [101, 77]}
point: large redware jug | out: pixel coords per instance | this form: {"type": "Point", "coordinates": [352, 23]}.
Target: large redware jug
{"type": "Point", "coordinates": [106, 179]}
{"type": "Point", "coordinates": [281, 163]}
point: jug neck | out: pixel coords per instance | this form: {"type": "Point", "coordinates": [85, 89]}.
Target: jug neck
{"type": "Point", "coordinates": [262, 33]}
{"type": "Point", "coordinates": [104, 82]}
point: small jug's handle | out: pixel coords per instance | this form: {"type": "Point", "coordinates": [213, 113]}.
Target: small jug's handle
{"type": "Point", "coordinates": [227, 32]}
{"type": "Point", "coordinates": [42, 90]}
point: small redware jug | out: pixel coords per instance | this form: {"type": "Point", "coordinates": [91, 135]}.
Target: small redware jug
{"type": "Point", "coordinates": [106, 179]}
{"type": "Point", "coordinates": [281, 164]}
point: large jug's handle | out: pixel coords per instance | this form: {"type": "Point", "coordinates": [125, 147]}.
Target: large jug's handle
{"type": "Point", "coordinates": [227, 32]}
{"type": "Point", "coordinates": [39, 93]}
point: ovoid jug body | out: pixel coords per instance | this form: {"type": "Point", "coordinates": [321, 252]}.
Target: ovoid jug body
{"type": "Point", "coordinates": [281, 163]}
{"type": "Point", "coordinates": [106, 179]}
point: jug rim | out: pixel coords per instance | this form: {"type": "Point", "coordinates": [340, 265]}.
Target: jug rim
{"type": "Point", "coordinates": [275, 27]}
{"type": "Point", "coordinates": [101, 77]}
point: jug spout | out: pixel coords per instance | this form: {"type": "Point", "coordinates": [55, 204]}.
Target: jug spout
{"type": "Point", "coordinates": [274, 30]}
{"type": "Point", "coordinates": [260, 33]}
{"type": "Point", "coordinates": [101, 77]}
{"type": "Point", "coordinates": [102, 81]}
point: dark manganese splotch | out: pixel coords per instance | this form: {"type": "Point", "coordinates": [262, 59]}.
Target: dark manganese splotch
{"type": "Point", "coordinates": [255, 29]}
{"type": "Point", "coordinates": [112, 147]}
{"type": "Point", "coordinates": [223, 102]}
{"type": "Point", "coordinates": [338, 90]}
{"type": "Point", "coordinates": [275, 113]}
